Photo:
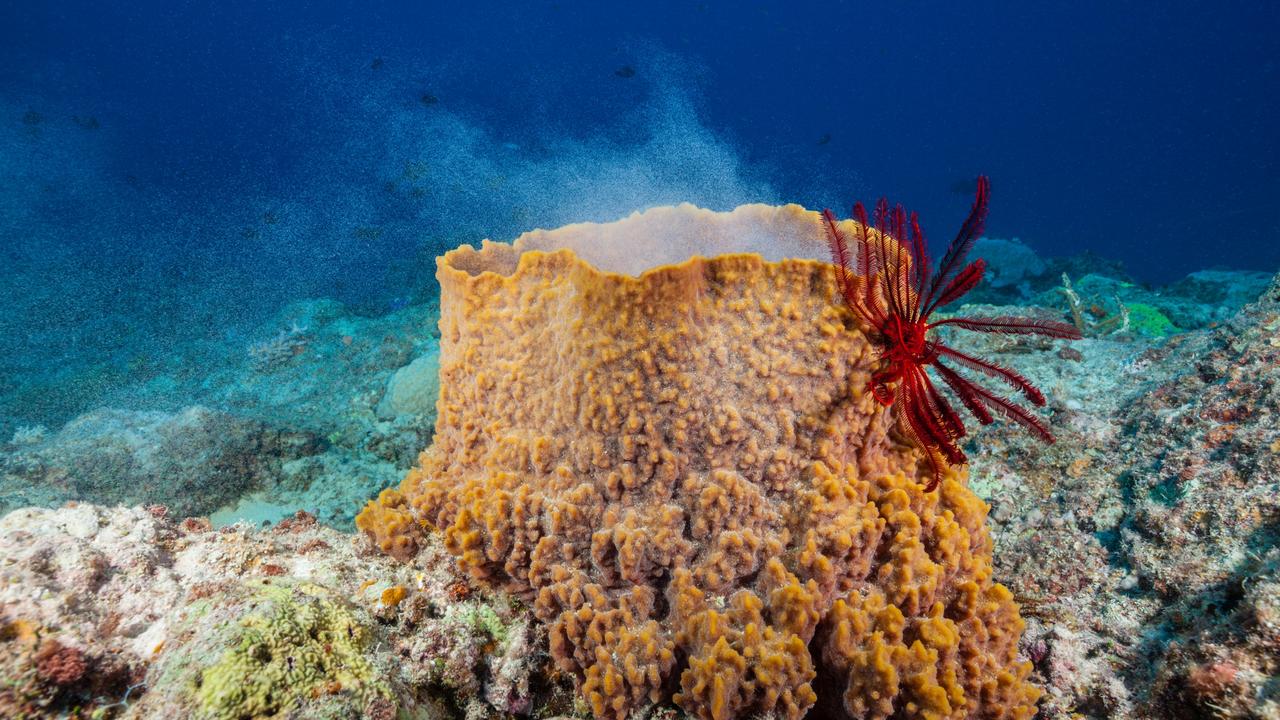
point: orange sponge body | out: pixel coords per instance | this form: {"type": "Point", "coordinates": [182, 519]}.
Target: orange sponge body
{"type": "Point", "coordinates": [679, 468]}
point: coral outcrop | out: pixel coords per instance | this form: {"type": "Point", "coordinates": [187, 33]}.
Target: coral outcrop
{"type": "Point", "coordinates": [674, 460]}
{"type": "Point", "coordinates": [413, 389]}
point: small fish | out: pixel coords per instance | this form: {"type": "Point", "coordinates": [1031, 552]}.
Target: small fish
{"type": "Point", "coordinates": [376, 64]}
{"type": "Point", "coordinates": [826, 138]}
{"type": "Point", "coordinates": [428, 99]}
{"type": "Point", "coordinates": [626, 71]}
{"type": "Point", "coordinates": [31, 117]}
{"type": "Point", "coordinates": [88, 122]}
{"type": "Point", "coordinates": [964, 186]}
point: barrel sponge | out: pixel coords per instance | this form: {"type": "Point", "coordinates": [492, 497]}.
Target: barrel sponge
{"type": "Point", "coordinates": [656, 432]}
{"type": "Point", "coordinates": [391, 525]}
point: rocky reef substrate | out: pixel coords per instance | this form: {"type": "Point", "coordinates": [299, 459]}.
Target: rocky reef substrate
{"type": "Point", "coordinates": [132, 612]}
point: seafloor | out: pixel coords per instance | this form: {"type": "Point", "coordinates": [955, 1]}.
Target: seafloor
{"type": "Point", "coordinates": [166, 510]}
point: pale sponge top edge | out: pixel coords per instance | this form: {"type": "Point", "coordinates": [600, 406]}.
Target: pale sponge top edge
{"type": "Point", "coordinates": [662, 236]}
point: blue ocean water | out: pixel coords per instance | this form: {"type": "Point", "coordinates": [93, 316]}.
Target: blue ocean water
{"type": "Point", "coordinates": [179, 171]}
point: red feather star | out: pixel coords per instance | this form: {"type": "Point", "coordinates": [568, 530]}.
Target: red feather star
{"type": "Point", "coordinates": [897, 295]}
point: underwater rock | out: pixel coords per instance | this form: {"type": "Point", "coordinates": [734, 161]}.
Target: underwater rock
{"type": "Point", "coordinates": [1088, 263]}
{"type": "Point", "coordinates": [1210, 296]}
{"type": "Point", "coordinates": [1205, 445]}
{"type": "Point", "coordinates": [413, 390]}
{"type": "Point", "coordinates": [300, 621]}
{"type": "Point", "coordinates": [191, 461]}
{"type": "Point", "coordinates": [1009, 262]}
{"type": "Point", "coordinates": [302, 435]}
{"type": "Point", "coordinates": [675, 461]}
{"type": "Point", "coordinates": [1225, 657]}
{"type": "Point", "coordinates": [1228, 288]}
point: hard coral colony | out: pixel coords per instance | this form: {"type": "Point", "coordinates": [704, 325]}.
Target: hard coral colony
{"type": "Point", "coordinates": [897, 296]}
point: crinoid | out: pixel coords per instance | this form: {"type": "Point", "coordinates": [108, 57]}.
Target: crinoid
{"type": "Point", "coordinates": [897, 295]}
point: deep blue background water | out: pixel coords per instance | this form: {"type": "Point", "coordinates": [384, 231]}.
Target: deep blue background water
{"type": "Point", "coordinates": [256, 145]}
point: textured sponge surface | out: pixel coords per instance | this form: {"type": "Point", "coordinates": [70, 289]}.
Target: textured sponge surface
{"type": "Point", "coordinates": [679, 467]}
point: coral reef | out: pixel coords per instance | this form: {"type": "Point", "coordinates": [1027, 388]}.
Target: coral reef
{"type": "Point", "coordinates": [1224, 657]}
{"type": "Point", "coordinates": [1205, 516]}
{"type": "Point", "coordinates": [683, 474]}
{"type": "Point", "coordinates": [271, 354]}
{"type": "Point", "coordinates": [1093, 319]}
{"type": "Point", "coordinates": [59, 664]}
{"type": "Point", "coordinates": [129, 611]}
{"type": "Point", "coordinates": [1141, 547]}
{"type": "Point", "coordinates": [1101, 289]}
{"type": "Point", "coordinates": [1098, 318]}
{"type": "Point", "coordinates": [1100, 302]}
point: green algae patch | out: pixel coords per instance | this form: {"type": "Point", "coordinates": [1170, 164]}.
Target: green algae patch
{"type": "Point", "coordinates": [1149, 321]}
{"type": "Point", "coordinates": [285, 649]}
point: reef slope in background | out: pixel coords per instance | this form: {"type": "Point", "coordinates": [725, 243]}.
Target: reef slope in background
{"type": "Point", "coordinates": [316, 410]}
{"type": "Point", "coordinates": [1141, 546]}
